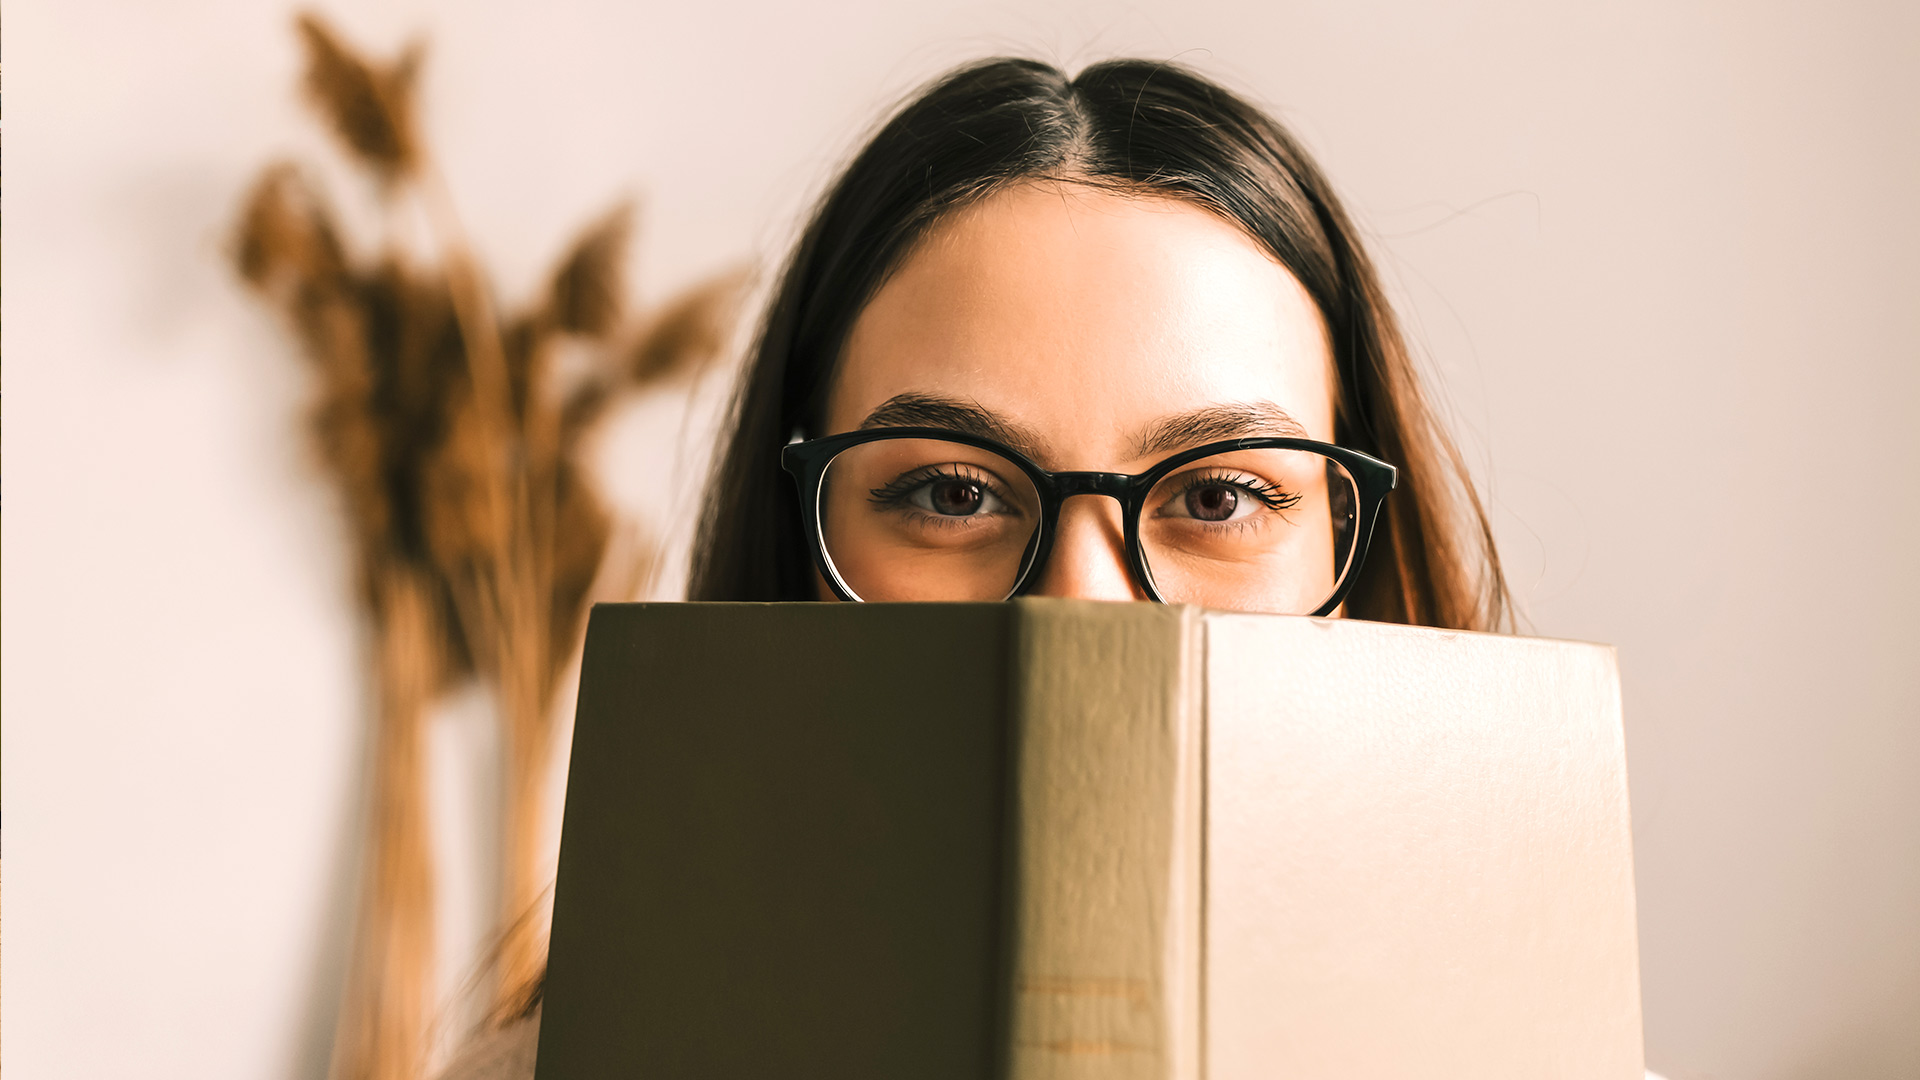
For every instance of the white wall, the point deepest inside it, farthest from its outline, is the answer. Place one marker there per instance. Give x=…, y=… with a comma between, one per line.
x=1663, y=256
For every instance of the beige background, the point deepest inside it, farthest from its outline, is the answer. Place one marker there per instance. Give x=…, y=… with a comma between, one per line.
x=1661, y=254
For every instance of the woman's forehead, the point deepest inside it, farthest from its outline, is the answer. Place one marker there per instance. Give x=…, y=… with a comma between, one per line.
x=1087, y=315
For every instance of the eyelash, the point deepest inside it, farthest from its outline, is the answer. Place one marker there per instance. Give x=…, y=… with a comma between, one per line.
x=1273, y=495
x=896, y=493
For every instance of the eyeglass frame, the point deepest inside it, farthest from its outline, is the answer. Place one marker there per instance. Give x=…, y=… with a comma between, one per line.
x=807, y=461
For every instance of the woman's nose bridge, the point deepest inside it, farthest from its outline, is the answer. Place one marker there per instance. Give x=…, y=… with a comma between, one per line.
x=1088, y=557
x=1109, y=531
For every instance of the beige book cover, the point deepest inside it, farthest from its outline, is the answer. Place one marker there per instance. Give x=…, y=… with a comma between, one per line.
x=1068, y=839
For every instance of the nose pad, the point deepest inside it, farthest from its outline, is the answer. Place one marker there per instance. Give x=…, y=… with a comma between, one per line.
x=1089, y=556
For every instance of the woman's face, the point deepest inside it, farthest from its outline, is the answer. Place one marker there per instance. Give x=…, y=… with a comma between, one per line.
x=1099, y=332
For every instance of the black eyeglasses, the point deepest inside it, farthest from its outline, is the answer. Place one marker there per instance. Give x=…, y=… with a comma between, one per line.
x=1257, y=524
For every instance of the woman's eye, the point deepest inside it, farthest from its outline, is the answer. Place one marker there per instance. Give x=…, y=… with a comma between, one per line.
x=1212, y=502
x=956, y=497
x=1215, y=499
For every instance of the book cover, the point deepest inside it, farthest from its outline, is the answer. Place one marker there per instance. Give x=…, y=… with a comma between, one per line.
x=1059, y=839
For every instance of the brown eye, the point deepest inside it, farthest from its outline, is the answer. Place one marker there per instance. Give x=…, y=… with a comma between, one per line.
x=955, y=498
x=1212, y=502
x=948, y=492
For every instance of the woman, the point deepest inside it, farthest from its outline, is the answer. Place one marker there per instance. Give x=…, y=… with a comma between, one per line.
x=1088, y=262
x=1109, y=336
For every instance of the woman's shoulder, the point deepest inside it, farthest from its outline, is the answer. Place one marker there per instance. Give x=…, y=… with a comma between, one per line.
x=500, y=1053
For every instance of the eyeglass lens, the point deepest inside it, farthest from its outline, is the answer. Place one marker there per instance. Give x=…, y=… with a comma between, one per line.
x=1254, y=530
x=924, y=519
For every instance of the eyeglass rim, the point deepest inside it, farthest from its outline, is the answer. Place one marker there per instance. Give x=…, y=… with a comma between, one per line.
x=806, y=460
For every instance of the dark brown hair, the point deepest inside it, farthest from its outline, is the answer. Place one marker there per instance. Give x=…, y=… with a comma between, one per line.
x=1128, y=125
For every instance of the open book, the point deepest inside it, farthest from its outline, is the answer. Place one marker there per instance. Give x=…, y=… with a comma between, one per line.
x=1056, y=838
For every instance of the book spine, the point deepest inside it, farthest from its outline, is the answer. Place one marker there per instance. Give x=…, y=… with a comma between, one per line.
x=1106, y=902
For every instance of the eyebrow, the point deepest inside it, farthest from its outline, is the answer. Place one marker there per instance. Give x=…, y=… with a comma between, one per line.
x=1215, y=423
x=1210, y=423
x=953, y=414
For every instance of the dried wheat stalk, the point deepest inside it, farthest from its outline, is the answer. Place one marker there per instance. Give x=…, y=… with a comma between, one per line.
x=478, y=531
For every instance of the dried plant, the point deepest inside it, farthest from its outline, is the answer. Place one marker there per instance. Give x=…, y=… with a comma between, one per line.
x=457, y=446
x=369, y=105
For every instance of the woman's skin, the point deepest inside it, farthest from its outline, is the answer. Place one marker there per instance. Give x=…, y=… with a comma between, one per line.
x=1093, y=331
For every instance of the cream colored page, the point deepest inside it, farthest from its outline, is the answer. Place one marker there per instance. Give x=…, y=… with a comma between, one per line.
x=1418, y=856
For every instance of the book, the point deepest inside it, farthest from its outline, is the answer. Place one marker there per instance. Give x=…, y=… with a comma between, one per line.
x=1060, y=839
